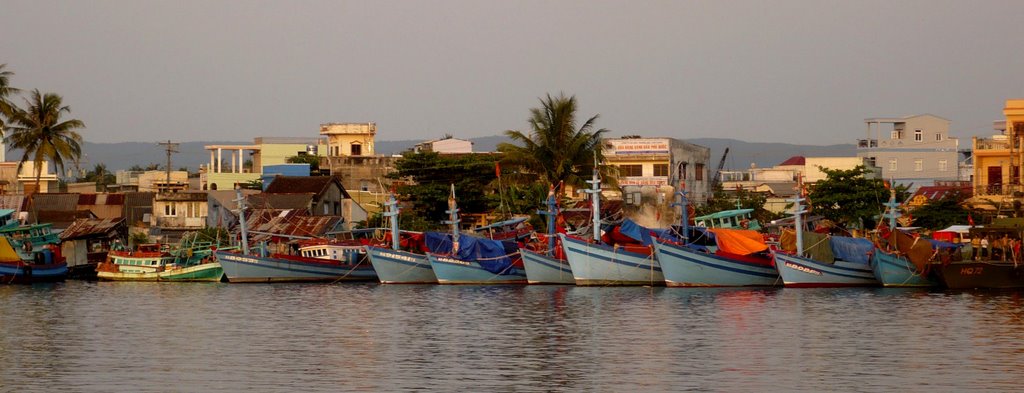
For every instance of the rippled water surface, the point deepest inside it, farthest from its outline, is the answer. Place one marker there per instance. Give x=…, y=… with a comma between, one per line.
x=81, y=336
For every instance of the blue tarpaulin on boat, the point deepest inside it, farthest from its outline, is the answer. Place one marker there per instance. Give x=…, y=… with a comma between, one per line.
x=941, y=245
x=851, y=249
x=492, y=255
x=636, y=232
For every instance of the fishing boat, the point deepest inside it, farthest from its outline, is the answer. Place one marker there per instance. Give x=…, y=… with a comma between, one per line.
x=999, y=266
x=830, y=261
x=156, y=262
x=717, y=256
x=394, y=265
x=905, y=261
x=458, y=259
x=318, y=260
x=44, y=265
x=626, y=257
x=545, y=263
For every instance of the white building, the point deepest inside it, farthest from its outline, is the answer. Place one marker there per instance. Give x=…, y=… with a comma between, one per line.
x=444, y=146
x=913, y=149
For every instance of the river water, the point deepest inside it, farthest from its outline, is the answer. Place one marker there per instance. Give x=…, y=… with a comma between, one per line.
x=130, y=337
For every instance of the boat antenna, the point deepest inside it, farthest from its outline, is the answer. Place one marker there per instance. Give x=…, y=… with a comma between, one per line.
x=892, y=212
x=392, y=214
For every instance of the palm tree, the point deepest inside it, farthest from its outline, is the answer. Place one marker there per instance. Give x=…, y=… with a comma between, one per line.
x=39, y=131
x=6, y=107
x=555, y=150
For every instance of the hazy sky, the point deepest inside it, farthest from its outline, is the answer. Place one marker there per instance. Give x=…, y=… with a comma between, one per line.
x=786, y=71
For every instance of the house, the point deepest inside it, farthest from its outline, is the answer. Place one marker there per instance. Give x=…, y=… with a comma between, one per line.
x=102, y=205
x=655, y=167
x=352, y=158
x=997, y=160
x=150, y=181
x=222, y=208
x=925, y=194
x=138, y=208
x=86, y=241
x=328, y=196
x=178, y=212
x=918, y=149
x=447, y=145
x=239, y=164
x=59, y=209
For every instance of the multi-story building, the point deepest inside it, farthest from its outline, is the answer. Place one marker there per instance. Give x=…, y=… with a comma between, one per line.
x=656, y=167
x=997, y=160
x=913, y=149
x=233, y=164
x=351, y=157
x=447, y=145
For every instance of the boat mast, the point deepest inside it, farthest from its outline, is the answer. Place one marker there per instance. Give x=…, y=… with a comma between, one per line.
x=683, y=203
x=241, y=219
x=550, y=213
x=392, y=215
x=595, y=201
x=798, y=223
x=892, y=213
x=453, y=220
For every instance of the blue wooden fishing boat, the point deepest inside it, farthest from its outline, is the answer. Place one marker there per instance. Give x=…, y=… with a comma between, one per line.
x=716, y=256
x=897, y=270
x=847, y=263
x=596, y=263
x=458, y=259
x=549, y=266
x=393, y=265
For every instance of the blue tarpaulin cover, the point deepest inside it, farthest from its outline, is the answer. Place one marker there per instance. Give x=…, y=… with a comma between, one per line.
x=852, y=249
x=636, y=232
x=940, y=245
x=492, y=255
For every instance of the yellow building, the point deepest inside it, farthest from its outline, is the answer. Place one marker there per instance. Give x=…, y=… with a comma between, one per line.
x=349, y=139
x=231, y=164
x=997, y=159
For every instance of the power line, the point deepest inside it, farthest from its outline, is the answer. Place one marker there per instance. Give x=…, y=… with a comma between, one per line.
x=171, y=149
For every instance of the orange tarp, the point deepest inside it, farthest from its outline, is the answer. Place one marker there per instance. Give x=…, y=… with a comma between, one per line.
x=739, y=241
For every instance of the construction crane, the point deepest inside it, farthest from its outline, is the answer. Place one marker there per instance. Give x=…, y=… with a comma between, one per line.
x=716, y=180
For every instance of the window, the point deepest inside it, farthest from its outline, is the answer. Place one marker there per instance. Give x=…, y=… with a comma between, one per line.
x=892, y=164
x=170, y=210
x=364, y=185
x=660, y=169
x=698, y=172
x=918, y=165
x=918, y=136
x=938, y=137
x=682, y=171
x=943, y=166
x=357, y=150
x=631, y=170
x=633, y=198
x=896, y=134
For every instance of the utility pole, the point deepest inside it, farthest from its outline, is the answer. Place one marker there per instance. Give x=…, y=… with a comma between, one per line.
x=171, y=149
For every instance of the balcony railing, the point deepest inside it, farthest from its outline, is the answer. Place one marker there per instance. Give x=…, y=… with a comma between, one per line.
x=867, y=143
x=999, y=190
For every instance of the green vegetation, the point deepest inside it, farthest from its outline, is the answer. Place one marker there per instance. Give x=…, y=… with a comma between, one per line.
x=554, y=150
x=312, y=160
x=100, y=175
x=849, y=199
x=433, y=174
x=941, y=213
x=40, y=132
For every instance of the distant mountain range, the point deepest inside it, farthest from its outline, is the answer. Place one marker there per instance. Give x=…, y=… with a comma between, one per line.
x=124, y=155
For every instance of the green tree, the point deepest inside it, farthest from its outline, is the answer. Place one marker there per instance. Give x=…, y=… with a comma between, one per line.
x=40, y=132
x=941, y=213
x=100, y=175
x=554, y=150
x=7, y=108
x=433, y=174
x=848, y=198
x=312, y=160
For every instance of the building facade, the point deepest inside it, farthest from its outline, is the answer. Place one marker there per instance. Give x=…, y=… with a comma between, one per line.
x=913, y=149
x=233, y=164
x=656, y=167
x=997, y=159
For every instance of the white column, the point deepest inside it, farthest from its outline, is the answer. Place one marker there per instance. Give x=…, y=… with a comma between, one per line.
x=209, y=169
x=233, y=159
x=220, y=160
x=241, y=161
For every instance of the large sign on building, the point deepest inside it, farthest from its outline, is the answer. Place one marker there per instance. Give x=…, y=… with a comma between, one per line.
x=643, y=181
x=637, y=146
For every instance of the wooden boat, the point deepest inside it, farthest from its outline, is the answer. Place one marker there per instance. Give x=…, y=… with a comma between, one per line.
x=711, y=256
x=459, y=259
x=544, y=259
x=830, y=261
x=155, y=262
x=596, y=262
x=904, y=261
x=44, y=265
x=394, y=265
x=998, y=267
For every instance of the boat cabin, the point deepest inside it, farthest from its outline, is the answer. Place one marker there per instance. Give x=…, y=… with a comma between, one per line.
x=735, y=219
x=335, y=252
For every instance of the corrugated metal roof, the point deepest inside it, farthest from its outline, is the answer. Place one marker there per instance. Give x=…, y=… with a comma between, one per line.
x=303, y=184
x=100, y=199
x=88, y=227
x=280, y=201
x=264, y=225
x=12, y=201
x=55, y=201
